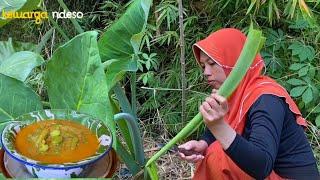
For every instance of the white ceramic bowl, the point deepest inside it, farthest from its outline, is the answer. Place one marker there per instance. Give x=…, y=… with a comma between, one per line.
x=66, y=170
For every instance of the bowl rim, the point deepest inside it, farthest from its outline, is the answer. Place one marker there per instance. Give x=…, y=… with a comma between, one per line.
x=53, y=166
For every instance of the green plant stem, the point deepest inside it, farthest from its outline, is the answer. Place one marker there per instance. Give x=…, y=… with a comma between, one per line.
x=293, y=74
x=135, y=135
x=55, y=24
x=171, y=89
x=132, y=125
x=74, y=22
x=312, y=110
x=132, y=165
x=124, y=102
x=133, y=79
x=187, y=130
x=183, y=63
x=44, y=40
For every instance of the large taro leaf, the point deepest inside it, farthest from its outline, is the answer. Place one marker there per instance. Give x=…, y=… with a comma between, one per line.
x=16, y=98
x=20, y=64
x=122, y=39
x=120, y=43
x=76, y=80
x=16, y=6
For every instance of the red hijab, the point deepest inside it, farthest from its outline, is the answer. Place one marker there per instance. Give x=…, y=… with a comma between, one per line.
x=224, y=47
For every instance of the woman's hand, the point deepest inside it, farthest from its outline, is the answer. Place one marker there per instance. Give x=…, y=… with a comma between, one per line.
x=214, y=108
x=192, y=151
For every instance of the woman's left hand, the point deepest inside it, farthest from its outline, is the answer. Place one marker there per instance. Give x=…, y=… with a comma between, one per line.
x=214, y=108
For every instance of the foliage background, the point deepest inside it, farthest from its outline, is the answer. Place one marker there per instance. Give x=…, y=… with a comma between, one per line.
x=290, y=52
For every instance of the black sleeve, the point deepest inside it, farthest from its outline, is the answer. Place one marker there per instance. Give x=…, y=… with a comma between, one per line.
x=257, y=153
x=208, y=136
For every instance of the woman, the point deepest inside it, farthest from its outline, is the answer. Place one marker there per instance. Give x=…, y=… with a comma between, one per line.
x=256, y=133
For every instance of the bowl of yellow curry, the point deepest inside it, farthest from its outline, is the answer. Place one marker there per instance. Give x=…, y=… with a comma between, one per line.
x=56, y=143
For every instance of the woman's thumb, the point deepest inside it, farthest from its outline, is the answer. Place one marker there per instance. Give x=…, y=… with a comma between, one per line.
x=187, y=146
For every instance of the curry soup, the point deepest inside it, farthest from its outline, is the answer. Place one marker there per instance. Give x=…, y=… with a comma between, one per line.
x=56, y=141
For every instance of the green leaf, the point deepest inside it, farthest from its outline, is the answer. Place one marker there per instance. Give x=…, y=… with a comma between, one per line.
x=302, y=51
x=140, y=67
x=296, y=82
x=119, y=40
x=273, y=63
x=145, y=56
x=312, y=71
x=16, y=98
x=318, y=121
x=148, y=64
x=20, y=64
x=297, y=91
x=296, y=66
x=303, y=71
x=307, y=96
x=116, y=68
x=299, y=24
x=307, y=79
x=276, y=39
x=75, y=78
x=145, y=80
x=17, y=6
x=153, y=55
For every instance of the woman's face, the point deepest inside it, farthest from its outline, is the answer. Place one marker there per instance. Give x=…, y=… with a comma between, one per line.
x=212, y=71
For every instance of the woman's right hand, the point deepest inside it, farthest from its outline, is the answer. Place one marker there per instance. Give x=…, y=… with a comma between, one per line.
x=192, y=151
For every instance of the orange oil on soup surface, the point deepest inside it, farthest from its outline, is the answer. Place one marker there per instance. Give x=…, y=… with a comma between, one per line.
x=56, y=141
